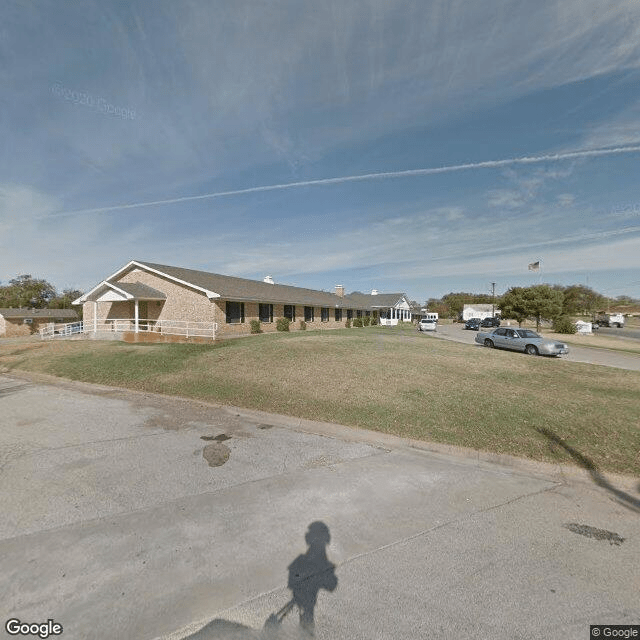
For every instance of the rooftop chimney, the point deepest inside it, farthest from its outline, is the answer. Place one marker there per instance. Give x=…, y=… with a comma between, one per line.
x=268, y=280
x=340, y=291
x=374, y=292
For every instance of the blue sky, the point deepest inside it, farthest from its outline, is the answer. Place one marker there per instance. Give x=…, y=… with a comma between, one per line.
x=227, y=136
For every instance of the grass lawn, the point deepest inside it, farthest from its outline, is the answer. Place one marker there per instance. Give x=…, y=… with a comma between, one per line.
x=387, y=379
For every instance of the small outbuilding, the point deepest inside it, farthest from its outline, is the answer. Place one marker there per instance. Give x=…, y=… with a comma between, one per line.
x=15, y=323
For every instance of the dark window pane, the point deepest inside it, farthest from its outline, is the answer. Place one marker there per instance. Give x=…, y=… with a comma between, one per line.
x=349, y=314
x=325, y=314
x=290, y=312
x=338, y=314
x=308, y=314
x=266, y=313
x=235, y=312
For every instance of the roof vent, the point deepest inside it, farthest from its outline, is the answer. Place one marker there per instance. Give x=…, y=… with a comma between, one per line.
x=268, y=280
x=374, y=292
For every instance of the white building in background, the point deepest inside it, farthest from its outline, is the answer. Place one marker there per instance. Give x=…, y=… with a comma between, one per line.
x=481, y=311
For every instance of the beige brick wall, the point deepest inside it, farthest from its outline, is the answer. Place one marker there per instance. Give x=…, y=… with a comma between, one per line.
x=251, y=313
x=182, y=303
x=15, y=327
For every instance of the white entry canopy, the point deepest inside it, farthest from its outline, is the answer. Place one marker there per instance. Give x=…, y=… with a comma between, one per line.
x=109, y=292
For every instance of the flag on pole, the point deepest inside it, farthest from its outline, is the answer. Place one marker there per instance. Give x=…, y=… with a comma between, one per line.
x=534, y=266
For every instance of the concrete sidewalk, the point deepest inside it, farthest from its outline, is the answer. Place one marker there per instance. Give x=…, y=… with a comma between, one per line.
x=116, y=526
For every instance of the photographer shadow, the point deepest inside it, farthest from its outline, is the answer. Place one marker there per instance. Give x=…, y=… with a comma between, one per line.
x=309, y=573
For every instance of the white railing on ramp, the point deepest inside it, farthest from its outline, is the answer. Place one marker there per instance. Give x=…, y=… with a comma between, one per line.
x=185, y=328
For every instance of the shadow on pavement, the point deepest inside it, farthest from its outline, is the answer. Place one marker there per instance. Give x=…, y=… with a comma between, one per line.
x=308, y=574
x=15, y=388
x=623, y=498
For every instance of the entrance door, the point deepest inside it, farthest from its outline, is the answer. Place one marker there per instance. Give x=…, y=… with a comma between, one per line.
x=143, y=315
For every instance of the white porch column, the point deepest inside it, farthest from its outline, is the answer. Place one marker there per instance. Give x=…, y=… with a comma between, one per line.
x=136, y=315
x=95, y=316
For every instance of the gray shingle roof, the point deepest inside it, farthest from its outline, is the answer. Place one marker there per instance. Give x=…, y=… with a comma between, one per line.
x=38, y=313
x=380, y=300
x=243, y=289
x=139, y=290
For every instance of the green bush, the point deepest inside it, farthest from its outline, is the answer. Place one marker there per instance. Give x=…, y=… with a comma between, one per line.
x=255, y=326
x=366, y=321
x=347, y=324
x=302, y=325
x=564, y=324
x=282, y=324
x=357, y=322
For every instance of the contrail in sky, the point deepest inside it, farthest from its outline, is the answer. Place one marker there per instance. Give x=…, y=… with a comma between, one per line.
x=488, y=164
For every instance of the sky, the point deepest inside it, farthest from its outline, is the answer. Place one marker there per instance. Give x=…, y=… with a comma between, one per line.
x=418, y=146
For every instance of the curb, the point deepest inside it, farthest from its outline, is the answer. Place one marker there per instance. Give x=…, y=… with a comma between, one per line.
x=555, y=472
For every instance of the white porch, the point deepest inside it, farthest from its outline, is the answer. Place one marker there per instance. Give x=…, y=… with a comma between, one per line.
x=391, y=317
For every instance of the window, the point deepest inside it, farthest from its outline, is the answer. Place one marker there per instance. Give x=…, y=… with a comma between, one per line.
x=308, y=314
x=367, y=313
x=265, y=312
x=290, y=312
x=27, y=321
x=349, y=314
x=235, y=312
x=324, y=314
x=358, y=314
x=338, y=315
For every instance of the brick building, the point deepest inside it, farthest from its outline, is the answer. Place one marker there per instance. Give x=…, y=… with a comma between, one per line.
x=145, y=297
x=23, y=322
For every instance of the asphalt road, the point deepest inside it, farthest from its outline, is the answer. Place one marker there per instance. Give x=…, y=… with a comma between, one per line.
x=631, y=333
x=605, y=357
x=137, y=517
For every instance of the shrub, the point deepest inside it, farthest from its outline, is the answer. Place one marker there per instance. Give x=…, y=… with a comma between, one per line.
x=282, y=324
x=302, y=325
x=366, y=321
x=357, y=322
x=255, y=326
x=564, y=324
x=347, y=324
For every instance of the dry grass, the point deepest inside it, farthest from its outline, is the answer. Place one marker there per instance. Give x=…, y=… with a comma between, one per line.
x=391, y=380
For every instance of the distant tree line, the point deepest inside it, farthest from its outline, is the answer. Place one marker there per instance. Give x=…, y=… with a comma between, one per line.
x=36, y=293
x=539, y=301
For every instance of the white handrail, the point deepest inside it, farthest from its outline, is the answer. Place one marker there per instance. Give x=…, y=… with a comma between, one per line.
x=186, y=328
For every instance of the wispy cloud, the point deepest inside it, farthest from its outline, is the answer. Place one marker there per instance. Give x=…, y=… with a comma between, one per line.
x=383, y=175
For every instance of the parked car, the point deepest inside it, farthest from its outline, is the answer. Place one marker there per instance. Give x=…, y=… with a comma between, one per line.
x=473, y=324
x=522, y=340
x=427, y=324
x=490, y=322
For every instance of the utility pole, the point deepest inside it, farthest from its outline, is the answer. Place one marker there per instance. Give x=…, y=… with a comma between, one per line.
x=493, y=299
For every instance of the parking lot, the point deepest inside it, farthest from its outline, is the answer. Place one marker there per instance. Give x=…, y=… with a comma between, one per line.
x=136, y=516
x=604, y=357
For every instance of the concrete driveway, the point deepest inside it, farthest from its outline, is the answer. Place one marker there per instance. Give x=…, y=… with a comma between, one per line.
x=134, y=516
x=605, y=357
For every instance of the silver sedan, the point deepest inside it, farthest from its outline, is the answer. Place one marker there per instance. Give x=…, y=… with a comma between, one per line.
x=522, y=340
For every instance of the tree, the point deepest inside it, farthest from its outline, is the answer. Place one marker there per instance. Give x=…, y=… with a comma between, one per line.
x=63, y=300
x=578, y=299
x=25, y=291
x=541, y=302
